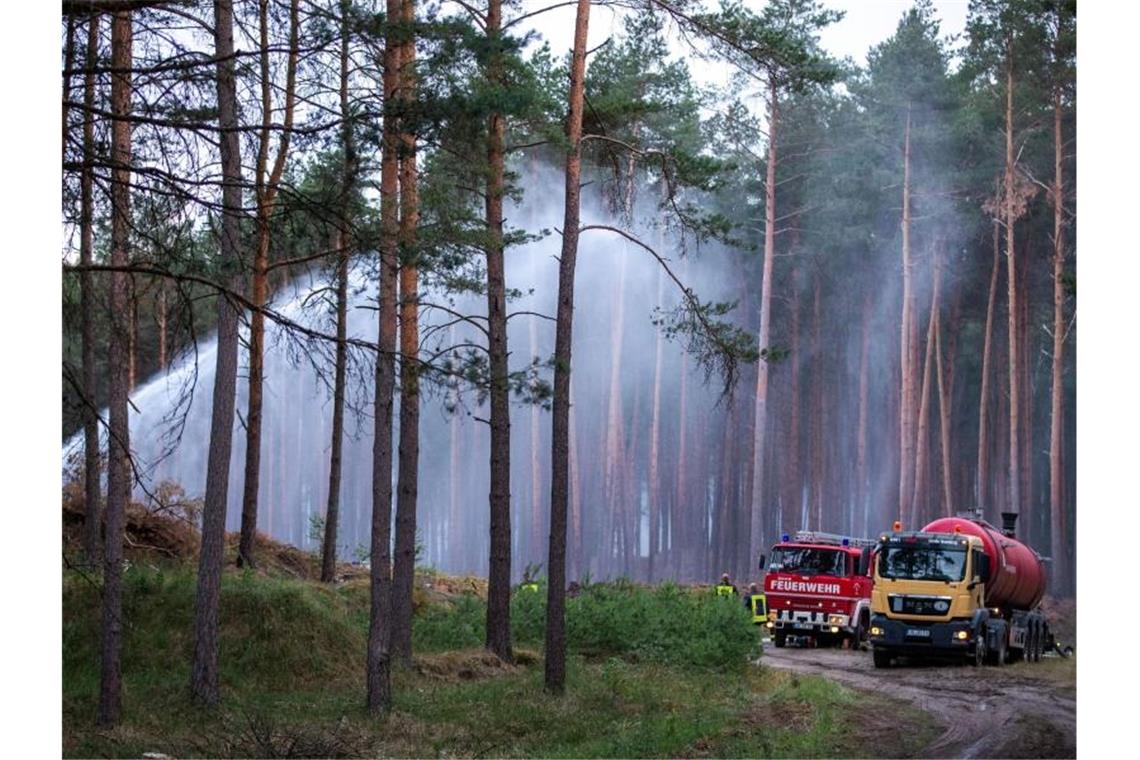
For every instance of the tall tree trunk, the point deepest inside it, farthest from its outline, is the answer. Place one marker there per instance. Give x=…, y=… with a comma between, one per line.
x=92, y=533
x=119, y=445
x=266, y=190
x=862, y=489
x=499, y=578
x=204, y=670
x=555, y=665
x=615, y=434
x=756, y=530
x=918, y=510
x=654, y=476
x=1058, y=545
x=160, y=320
x=906, y=396
x=793, y=495
x=404, y=571
x=982, y=489
x=1014, y=504
x=380, y=620
x=943, y=413
x=818, y=396
x=344, y=245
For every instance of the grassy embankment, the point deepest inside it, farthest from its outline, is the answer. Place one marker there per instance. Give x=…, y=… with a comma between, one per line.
x=653, y=672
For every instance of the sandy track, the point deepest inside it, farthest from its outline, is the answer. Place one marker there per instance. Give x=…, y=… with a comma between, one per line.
x=984, y=712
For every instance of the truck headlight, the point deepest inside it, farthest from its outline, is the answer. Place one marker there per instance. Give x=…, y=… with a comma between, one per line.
x=876, y=630
x=962, y=635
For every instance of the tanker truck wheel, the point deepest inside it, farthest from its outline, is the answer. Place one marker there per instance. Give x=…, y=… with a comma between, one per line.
x=979, y=657
x=882, y=658
x=997, y=656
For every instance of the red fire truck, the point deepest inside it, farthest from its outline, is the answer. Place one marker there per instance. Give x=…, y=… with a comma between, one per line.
x=818, y=589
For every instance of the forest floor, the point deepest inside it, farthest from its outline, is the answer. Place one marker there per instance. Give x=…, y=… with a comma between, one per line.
x=1017, y=711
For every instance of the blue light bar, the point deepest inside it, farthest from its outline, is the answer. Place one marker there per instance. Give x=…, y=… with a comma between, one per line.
x=847, y=542
x=785, y=538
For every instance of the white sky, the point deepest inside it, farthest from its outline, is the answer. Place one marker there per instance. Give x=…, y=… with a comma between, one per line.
x=865, y=23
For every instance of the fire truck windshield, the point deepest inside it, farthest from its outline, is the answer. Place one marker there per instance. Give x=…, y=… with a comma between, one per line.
x=809, y=561
x=923, y=563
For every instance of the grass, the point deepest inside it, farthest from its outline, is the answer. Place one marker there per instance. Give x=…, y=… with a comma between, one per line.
x=652, y=672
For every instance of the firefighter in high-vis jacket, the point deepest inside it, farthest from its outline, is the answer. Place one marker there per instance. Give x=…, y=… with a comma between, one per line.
x=725, y=587
x=757, y=604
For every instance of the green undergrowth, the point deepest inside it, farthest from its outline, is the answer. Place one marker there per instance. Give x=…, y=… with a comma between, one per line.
x=652, y=672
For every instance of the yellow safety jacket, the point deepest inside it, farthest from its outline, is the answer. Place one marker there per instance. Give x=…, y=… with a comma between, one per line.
x=759, y=603
x=531, y=586
x=723, y=590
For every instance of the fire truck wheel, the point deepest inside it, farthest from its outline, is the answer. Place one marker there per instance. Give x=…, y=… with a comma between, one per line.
x=882, y=658
x=859, y=639
x=780, y=638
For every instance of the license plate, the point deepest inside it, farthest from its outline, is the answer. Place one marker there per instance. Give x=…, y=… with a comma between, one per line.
x=803, y=626
x=923, y=633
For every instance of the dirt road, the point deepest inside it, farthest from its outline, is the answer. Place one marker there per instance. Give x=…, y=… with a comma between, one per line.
x=1023, y=710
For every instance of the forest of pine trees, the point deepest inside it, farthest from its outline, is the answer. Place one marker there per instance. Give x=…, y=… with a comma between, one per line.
x=397, y=281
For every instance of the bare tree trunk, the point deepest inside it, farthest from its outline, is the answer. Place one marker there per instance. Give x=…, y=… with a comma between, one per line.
x=862, y=490
x=793, y=495
x=1011, y=283
x=906, y=397
x=499, y=580
x=922, y=442
x=160, y=320
x=204, y=670
x=943, y=421
x=1057, y=522
x=92, y=533
x=555, y=665
x=119, y=445
x=380, y=620
x=615, y=433
x=654, y=476
x=344, y=244
x=403, y=578
x=756, y=531
x=266, y=190
x=817, y=401
x=981, y=488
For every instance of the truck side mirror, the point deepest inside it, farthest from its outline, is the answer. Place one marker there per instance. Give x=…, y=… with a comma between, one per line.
x=865, y=559
x=761, y=563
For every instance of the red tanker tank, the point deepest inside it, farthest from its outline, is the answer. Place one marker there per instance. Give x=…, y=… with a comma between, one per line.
x=1017, y=574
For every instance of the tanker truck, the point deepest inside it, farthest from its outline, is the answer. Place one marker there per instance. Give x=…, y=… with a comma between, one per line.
x=959, y=588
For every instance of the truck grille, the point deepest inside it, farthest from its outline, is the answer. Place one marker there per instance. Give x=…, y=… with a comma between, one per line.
x=920, y=605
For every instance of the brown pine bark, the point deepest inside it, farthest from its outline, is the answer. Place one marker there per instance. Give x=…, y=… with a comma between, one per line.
x=862, y=488
x=266, y=187
x=1057, y=521
x=906, y=350
x=943, y=413
x=344, y=247
x=654, y=476
x=982, y=490
x=119, y=446
x=555, y=664
x=92, y=529
x=614, y=427
x=407, y=490
x=919, y=509
x=818, y=398
x=793, y=496
x=1014, y=504
x=499, y=578
x=379, y=694
x=204, y=669
x=756, y=529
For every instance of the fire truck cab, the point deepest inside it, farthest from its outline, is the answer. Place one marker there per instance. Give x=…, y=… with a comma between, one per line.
x=818, y=588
